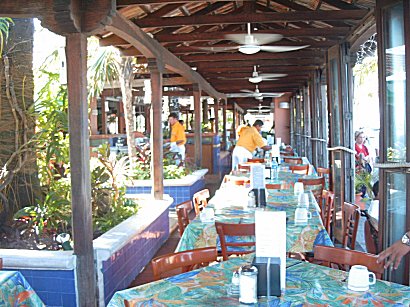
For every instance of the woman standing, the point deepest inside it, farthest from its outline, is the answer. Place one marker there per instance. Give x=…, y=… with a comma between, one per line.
x=362, y=153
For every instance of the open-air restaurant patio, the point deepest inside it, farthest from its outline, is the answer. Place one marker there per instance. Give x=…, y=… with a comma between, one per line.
x=205, y=153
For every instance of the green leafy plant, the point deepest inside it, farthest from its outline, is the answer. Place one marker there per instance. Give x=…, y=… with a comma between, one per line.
x=5, y=23
x=366, y=179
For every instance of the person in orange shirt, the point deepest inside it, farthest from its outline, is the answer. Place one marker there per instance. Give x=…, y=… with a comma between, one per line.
x=249, y=140
x=178, y=138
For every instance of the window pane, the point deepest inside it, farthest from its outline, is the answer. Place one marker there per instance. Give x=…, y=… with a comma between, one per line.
x=395, y=84
x=335, y=102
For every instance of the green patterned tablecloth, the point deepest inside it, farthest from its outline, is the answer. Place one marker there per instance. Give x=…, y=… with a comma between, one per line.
x=300, y=238
x=306, y=285
x=15, y=291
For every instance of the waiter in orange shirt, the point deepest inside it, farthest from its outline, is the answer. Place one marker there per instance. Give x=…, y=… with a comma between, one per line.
x=178, y=138
x=249, y=139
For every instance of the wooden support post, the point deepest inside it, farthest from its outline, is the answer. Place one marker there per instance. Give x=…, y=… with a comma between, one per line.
x=103, y=116
x=233, y=121
x=76, y=54
x=198, y=126
x=121, y=117
x=216, y=112
x=93, y=116
x=156, y=70
x=224, y=123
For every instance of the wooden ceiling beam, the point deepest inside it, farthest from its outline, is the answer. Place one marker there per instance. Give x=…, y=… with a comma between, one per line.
x=220, y=35
x=237, y=56
x=121, y=3
x=254, y=17
x=291, y=62
x=125, y=29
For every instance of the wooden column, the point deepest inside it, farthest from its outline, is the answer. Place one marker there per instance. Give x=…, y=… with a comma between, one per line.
x=216, y=112
x=147, y=114
x=198, y=126
x=76, y=54
x=93, y=116
x=233, y=136
x=121, y=117
x=156, y=70
x=224, y=123
x=103, y=116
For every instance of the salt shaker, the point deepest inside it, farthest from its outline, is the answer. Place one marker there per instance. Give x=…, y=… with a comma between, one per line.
x=248, y=279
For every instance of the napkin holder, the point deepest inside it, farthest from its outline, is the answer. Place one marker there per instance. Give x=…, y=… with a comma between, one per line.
x=260, y=197
x=268, y=276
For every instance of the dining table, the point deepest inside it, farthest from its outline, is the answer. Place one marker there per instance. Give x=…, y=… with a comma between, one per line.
x=16, y=291
x=306, y=285
x=230, y=206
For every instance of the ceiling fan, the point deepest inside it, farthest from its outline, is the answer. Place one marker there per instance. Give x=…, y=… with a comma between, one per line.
x=252, y=43
x=255, y=94
x=257, y=77
x=261, y=109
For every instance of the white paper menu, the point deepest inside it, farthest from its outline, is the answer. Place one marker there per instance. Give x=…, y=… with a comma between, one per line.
x=270, y=232
x=257, y=176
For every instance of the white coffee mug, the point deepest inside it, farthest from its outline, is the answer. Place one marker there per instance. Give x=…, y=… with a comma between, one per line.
x=298, y=188
x=207, y=214
x=359, y=278
x=302, y=215
x=303, y=200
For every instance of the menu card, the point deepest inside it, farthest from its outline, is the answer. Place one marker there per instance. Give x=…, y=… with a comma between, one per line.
x=257, y=176
x=270, y=232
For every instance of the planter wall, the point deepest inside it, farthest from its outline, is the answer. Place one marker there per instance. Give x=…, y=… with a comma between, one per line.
x=120, y=254
x=179, y=189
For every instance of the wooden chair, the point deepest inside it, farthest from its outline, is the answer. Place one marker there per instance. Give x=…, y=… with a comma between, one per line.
x=316, y=185
x=200, y=200
x=273, y=186
x=287, y=154
x=345, y=258
x=300, y=169
x=351, y=218
x=127, y=303
x=177, y=263
x=293, y=160
x=235, y=230
x=328, y=209
x=244, y=167
x=1, y=263
x=325, y=172
x=183, y=210
x=235, y=180
x=322, y=171
x=256, y=160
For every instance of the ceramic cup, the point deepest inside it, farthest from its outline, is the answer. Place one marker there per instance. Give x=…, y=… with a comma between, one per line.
x=207, y=214
x=303, y=200
x=360, y=278
x=298, y=188
x=302, y=215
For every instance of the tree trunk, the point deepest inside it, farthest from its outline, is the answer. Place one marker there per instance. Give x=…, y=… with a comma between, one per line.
x=16, y=126
x=126, y=91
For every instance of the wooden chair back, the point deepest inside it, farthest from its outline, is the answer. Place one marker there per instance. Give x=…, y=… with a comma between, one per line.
x=351, y=218
x=235, y=180
x=273, y=186
x=183, y=210
x=371, y=242
x=1, y=263
x=300, y=169
x=127, y=303
x=293, y=160
x=328, y=209
x=345, y=258
x=245, y=167
x=256, y=160
x=287, y=154
x=234, y=247
x=200, y=200
x=181, y=262
x=316, y=185
x=321, y=171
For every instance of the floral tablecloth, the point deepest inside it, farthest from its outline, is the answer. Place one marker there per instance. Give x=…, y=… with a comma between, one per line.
x=15, y=291
x=300, y=238
x=306, y=285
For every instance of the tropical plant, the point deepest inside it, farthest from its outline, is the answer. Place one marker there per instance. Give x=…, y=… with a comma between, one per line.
x=364, y=179
x=5, y=23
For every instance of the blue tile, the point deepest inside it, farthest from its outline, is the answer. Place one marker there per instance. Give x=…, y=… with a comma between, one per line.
x=54, y=299
x=68, y=300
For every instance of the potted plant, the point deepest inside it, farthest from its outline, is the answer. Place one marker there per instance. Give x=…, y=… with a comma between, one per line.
x=363, y=182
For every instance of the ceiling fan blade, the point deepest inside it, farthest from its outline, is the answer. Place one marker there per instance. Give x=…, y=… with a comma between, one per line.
x=248, y=91
x=267, y=76
x=256, y=39
x=272, y=94
x=281, y=48
x=215, y=49
x=239, y=95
